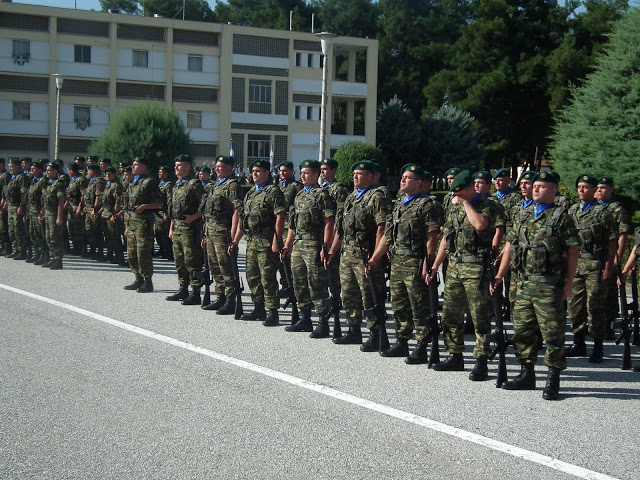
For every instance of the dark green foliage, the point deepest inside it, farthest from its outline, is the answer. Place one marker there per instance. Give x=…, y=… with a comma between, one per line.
x=125, y=6
x=197, y=10
x=398, y=135
x=353, y=18
x=146, y=130
x=352, y=152
x=265, y=13
x=599, y=132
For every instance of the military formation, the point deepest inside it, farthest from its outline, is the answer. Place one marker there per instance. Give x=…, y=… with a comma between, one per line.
x=524, y=244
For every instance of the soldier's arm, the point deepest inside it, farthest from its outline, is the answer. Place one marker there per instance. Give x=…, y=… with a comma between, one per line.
x=432, y=243
x=234, y=222
x=279, y=229
x=504, y=264
x=61, y=202
x=572, y=265
x=479, y=221
x=623, y=241
x=329, y=224
x=442, y=254
x=379, y=252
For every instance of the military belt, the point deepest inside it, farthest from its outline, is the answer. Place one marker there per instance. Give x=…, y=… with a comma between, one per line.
x=550, y=279
x=588, y=256
x=308, y=236
x=407, y=252
x=467, y=258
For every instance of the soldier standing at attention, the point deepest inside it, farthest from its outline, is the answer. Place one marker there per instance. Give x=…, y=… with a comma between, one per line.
x=204, y=175
x=604, y=195
x=221, y=210
x=468, y=232
x=262, y=219
x=53, y=215
x=186, y=232
x=5, y=243
x=15, y=198
x=412, y=233
x=90, y=205
x=289, y=188
x=162, y=221
x=482, y=184
x=311, y=221
x=599, y=237
x=111, y=204
x=361, y=228
x=34, y=206
x=77, y=185
x=143, y=198
x=542, y=249
x=450, y=175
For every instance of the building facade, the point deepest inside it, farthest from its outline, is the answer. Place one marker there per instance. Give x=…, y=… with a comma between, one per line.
x=257, y=88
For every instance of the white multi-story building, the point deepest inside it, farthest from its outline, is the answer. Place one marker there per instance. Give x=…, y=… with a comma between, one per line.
x=259, y=87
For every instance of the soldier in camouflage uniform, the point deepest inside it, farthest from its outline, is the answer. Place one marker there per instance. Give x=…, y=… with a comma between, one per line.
x=53, y=215
x=77, y=185
x=90, y=204
x=161, y=226
x=186, y=232
x=412, y=233
x=542, y=249
x=311, y=221
x=604, y=195
x=34, y=206
x=204, y=175
x=289, y=188
x=598, y=235
x=450, y=175
x=468, y=232
x=5, y=243
x=361, y=227
x=221, y=210
x=15, y=197
x=111, y=205
x=262, y=219
x=143, y=198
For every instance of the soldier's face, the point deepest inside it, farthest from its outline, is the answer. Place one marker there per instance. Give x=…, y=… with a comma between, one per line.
x=162, y=175
x=139, y=168
x=111, y=176
x=204, y=176
x=103, y=166
x=25, y=166
x=328, y=174
x=51, y=173
x=91, y=173
x=410, y=183
x=481, y=186
x=450, y=179
x=223, y=170
x=182, y=169
x=286, y=173
x=35, y=171
x=586, y=192
x=309, y=176
x=502, y=183
x=259, y=175
x=362, y=178
x=14, y=168
x=604, y=192
x=544, y=192
x=526, y=188
x=128, y=176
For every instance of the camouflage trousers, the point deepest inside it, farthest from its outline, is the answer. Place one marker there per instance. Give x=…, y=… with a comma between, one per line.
x=17, y=230
x=356, y=293
x=55, y=236
x=587, y=303
x=309, y=276
x=36, y=234
x=262, y=265
x=466, y=284
x=409, y=297
x=140, y=244
x=539, y=306
x=161, y=230
x=93, y=229
x=612, y=302
x=4, y=231
x=112, y=235
x=281, y=267
x=75, y=224
x=187, y=254
x=220, y=265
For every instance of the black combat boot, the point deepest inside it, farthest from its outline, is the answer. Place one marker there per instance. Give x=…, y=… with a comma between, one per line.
x=47, y=262
x=272, y=319
x=146, y=287
x=84, y=253
x=552, y=388
x=480, y=371
x=525, y=381
x=579, y=348
x=39, y=260
x=419, y=355
x=303, y=324
x=29, y=254
x=398, y=349
x=455, y=363
x=193, y=298
x=181, y=294
x=137, y=283
x=222, y=298
x=22, y=255
x=229, y=307
x=8, y=251
x=258, y=313
x=598, y=352
x=322, y=329
x=352, y=337
x=373, y=342
x=56, y=264
x=32, y=258
x=92, y=253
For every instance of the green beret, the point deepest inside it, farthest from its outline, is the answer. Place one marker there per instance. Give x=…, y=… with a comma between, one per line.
x=141, y=160
x=310, y=164
x=528, y=175
x=73, y=166
x=462, y=181
x=26, y=159
x=287, y=164
x=93, y=158
x=482, y=175
x=37, y=164
x=183, y=158
x=110, y=170
x=128, y=168
x=503, y=172
x=165, y=168
x=586, y=178
x=364, y=165
x=262, y=164
x=93, y=166
x=330, y=162
x=550, y=177
x=377, y=167
x=415, y=169
x=14, y=160
x=79, y=158
x=605, y=181
x=106, y=160
x=56, y=165
x=1, y=160
x=205, y=169
x=226, y=159
x=452, y=172
x=125, y=163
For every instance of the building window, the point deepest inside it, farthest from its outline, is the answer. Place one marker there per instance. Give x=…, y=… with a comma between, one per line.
x=194, y=119
x=309, y=60
x=260, y=91
x=82, y=54
x=82, y=116
x=21, y=111
x=309, y=113
x=140, y=58
x=194, y=63
x=258, y=147
x=297, y=112
x=21, y=51
x=298, y=59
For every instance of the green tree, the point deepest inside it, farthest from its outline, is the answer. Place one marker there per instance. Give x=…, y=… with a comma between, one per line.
x=352, y=152
x=125, y=6
x=599, y=132
x=398, y=134
x=450, y=140
x=147, y=130
x=352, y=18
x=197, y=10
x=265, y=13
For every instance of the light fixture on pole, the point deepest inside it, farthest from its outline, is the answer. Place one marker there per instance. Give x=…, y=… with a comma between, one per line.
x=325, y=39
x=59, y=80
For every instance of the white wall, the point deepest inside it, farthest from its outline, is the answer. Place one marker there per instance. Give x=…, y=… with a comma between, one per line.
x=155, y=72
x=68, y=128
x=37, y=125
x=256, y=61
x=209, y=131
x=38, y=63
x=210, y=75
x=98, y=68
x=264, y=118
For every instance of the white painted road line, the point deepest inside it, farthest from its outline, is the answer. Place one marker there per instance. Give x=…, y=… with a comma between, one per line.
x=490, y=443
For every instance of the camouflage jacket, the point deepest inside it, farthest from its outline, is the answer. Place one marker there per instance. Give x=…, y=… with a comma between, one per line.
x=510, y=200
x=220, y=203
x=359, y=221
x=4, y=180
x=595, y=227
x=143, y=191
x=16, y=188
x=34, y=195
x=111, y=196
x=94, y=191
x=166, y=190
x=339, y=194
x=259, y=211
x=619, y=215
x=185, y=200
x=465, y=243
x=75, y=190
x=308, y=213
x=55, y=189
x=289, y=192
x=407, y=227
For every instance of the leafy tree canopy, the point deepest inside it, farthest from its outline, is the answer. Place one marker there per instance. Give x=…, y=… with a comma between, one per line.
x=352, y=152
x=125, y=6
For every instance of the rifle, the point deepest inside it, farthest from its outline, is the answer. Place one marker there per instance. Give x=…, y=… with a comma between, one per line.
x=634, y=308
x=236, y=284
x=291, y=296
x=378, y=311
x=625, y=325
x=206, y=280
x=434, y=320
x=335, y=300
x=499, y=336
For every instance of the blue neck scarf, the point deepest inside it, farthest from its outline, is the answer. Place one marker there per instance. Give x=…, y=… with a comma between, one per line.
x=325, y=184
x=162, y=182
x=361, y=191
x=136, y=178
x=603, y=203
x=35, y=179
x=181, y=181
x=526, y=203
x=204, y=184
x=109, y=182
x=261, y=186
x=475, y=200
x=221, y=181
x=308, y=188
x=94, y=178
x=15, y=175
x=75, y=176
x=409, y=198
x=585, y=206
x=285, y=183
x=538, y=208
x=502, y=193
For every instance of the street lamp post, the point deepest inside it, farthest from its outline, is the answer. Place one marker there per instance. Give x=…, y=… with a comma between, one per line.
x=59, y=79
x=325, y=39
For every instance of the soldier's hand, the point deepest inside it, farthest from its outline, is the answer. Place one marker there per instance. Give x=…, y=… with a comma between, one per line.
x=59, y=222
x=327, y=260
x=607, y=272
x=274, y=247
x=232, y=246
x=494, y=286
x=566, y=291
x=457, y=201
x=284, y=252
x=373, y=263
x=430, y=277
